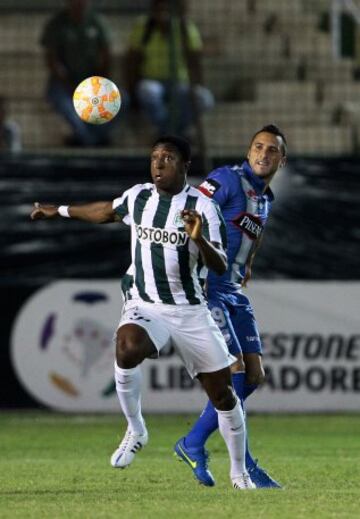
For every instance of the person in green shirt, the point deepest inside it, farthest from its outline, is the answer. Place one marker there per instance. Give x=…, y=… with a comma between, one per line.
x=163, y=68
x=77, y=45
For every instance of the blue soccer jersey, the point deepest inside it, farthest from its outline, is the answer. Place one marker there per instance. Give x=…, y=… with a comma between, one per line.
x=245, y=208
x=239, y=193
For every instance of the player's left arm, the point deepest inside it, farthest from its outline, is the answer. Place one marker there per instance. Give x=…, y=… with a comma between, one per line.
x=212, y=253
x=250, y=260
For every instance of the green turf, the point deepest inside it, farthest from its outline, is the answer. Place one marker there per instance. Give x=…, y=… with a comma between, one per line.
x=57, y=466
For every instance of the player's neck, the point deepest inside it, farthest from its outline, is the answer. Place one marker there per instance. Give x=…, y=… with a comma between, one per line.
x=168, y=193
x=267, y=181
x=165, y=194
x=267, y=184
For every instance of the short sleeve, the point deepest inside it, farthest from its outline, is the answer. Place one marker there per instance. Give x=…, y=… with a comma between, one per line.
x=121, y=205
x=213, y=224
x=217, y=186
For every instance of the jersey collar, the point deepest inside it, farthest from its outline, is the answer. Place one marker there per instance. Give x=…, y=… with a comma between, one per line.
x=257, y=183
x=185, y=189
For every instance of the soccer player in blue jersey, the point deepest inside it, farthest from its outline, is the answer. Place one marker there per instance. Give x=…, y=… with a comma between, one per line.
x=245, y=199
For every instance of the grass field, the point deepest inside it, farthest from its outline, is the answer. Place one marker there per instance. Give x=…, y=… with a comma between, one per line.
x=57, y=466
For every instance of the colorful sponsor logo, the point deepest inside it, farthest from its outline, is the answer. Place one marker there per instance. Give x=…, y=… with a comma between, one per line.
x=250, y=224
x=62, y=345
x=251, y=193
x=163, y=236
x=209, y=187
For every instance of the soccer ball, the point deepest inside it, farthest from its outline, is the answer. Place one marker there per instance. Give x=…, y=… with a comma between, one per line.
x=96, y=100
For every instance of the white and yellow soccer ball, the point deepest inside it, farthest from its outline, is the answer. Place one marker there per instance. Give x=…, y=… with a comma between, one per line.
x=96, y=100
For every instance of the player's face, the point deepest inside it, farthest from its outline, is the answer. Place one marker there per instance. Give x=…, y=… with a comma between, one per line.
x=265, y=155
x=168, y=169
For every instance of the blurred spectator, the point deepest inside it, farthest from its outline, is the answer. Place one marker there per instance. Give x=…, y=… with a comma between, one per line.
x=163, y=68
x=348, y=32
x=77, y=45
x=10, y=136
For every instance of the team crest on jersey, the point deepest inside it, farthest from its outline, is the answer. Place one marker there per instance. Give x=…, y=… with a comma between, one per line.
x=178, y=221
x=209, y=187
x=251, y=193
x=250, y=224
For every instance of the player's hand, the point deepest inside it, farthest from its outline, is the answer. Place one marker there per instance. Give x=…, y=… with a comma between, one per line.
x=193, y=223
x=246, y=277
x=43, y=211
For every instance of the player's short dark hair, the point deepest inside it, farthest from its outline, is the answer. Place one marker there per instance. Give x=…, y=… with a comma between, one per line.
x=181, y=144
x=275, y=130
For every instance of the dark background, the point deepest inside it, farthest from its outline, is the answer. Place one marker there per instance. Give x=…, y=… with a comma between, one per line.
x=266, y=61
x=312, y=233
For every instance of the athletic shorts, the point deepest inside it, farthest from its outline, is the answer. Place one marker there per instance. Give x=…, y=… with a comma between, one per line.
x=190, y=329
x=235, y=317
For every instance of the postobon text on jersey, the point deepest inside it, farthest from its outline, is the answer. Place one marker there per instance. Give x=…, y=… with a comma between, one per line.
x=163, y=236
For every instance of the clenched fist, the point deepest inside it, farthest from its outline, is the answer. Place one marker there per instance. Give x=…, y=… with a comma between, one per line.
x=43, y=211
x=193, y=223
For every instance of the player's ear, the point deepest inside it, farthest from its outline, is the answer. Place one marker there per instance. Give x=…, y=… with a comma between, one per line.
x=283, y=162
x=187, y=166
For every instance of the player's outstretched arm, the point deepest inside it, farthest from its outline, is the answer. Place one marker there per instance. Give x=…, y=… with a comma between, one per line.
x=212, y=253
x=97, y=212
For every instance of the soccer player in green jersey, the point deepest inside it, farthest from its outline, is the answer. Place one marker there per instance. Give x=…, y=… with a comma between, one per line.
x=174, y=230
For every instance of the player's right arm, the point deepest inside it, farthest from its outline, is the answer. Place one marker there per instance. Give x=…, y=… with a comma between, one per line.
x=96, y=212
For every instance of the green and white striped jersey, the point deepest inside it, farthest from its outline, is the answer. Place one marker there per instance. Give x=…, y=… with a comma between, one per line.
x=165, y=261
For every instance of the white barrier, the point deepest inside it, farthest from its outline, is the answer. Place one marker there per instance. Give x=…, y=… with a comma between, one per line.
x=63, y=352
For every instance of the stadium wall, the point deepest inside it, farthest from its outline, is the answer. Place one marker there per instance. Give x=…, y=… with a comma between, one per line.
x=305, y=287
x=61, y=349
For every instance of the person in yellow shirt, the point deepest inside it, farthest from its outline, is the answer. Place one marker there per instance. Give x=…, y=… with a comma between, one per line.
x=163, y=68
